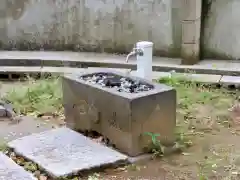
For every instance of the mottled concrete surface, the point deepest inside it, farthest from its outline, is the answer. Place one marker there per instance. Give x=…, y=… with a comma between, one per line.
x=64, y=152
x=2, y=111
x=114, y=26
x=9, y=170
x=222, y=32
x=127, y=115
x=100, y=25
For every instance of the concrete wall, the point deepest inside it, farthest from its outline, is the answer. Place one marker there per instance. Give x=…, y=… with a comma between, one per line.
x=114, y=26
x=222, y=30
x=91, y=25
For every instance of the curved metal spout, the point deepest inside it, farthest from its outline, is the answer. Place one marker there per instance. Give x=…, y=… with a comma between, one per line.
x=136, y=51
x=133, y=53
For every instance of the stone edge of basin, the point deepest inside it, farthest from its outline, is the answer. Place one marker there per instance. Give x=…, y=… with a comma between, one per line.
x=158, y=87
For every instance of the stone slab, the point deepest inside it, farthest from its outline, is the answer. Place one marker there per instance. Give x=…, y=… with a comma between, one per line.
x=203, y=78
x=2, y=112
x=114, y=61
x=230, y=80
x=63, y=152
x=9, y=170
x=39, y=69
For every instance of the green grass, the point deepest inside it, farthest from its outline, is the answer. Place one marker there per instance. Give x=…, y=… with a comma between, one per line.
x=3, y=145
x=201, y=110
x=197, y=102
x=37, y=97
x=192, y=94
x=45, y=96
x=198, y=108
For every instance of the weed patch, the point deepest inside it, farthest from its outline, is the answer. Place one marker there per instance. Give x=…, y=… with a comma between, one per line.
x=37, y=97
x=3, y=145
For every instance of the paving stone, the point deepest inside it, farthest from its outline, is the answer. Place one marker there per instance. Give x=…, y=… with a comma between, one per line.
x=203, y=78
x=230, y=80
x=3, y=112
x=64, y=152
x=158, y=75
x=9, y=170
x=18, y=58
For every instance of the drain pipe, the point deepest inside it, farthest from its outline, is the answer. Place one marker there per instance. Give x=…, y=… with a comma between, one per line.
x=144, y=53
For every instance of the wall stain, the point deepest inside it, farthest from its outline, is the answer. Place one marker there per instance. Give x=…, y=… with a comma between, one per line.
x=16, y=8
x=78, y=25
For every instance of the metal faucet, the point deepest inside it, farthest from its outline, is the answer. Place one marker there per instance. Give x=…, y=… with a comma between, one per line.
x=135, y=52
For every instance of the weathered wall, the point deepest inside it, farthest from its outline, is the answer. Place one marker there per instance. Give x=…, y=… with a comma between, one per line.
x=94, y=25
x=222, y=30
x=114, y=26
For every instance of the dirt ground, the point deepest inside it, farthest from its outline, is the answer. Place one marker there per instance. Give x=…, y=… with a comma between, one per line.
x=28, y=125
x=217, y=155
x=214, y=155
x=203, y=118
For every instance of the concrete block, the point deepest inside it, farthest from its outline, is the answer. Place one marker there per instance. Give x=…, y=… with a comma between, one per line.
x=122, y=117
x=9, y=170
x=62, y=152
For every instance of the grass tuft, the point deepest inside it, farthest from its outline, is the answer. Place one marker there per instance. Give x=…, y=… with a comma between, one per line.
x=37, y=97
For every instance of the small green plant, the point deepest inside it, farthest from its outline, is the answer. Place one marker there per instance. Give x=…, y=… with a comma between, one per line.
x=133, y=167
x=209, y=165
x=159, y=150
x=3, y=145
x=156, y=147
x=176, y=80
x=201, y=174
x=95, y=176
x=37, y=97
